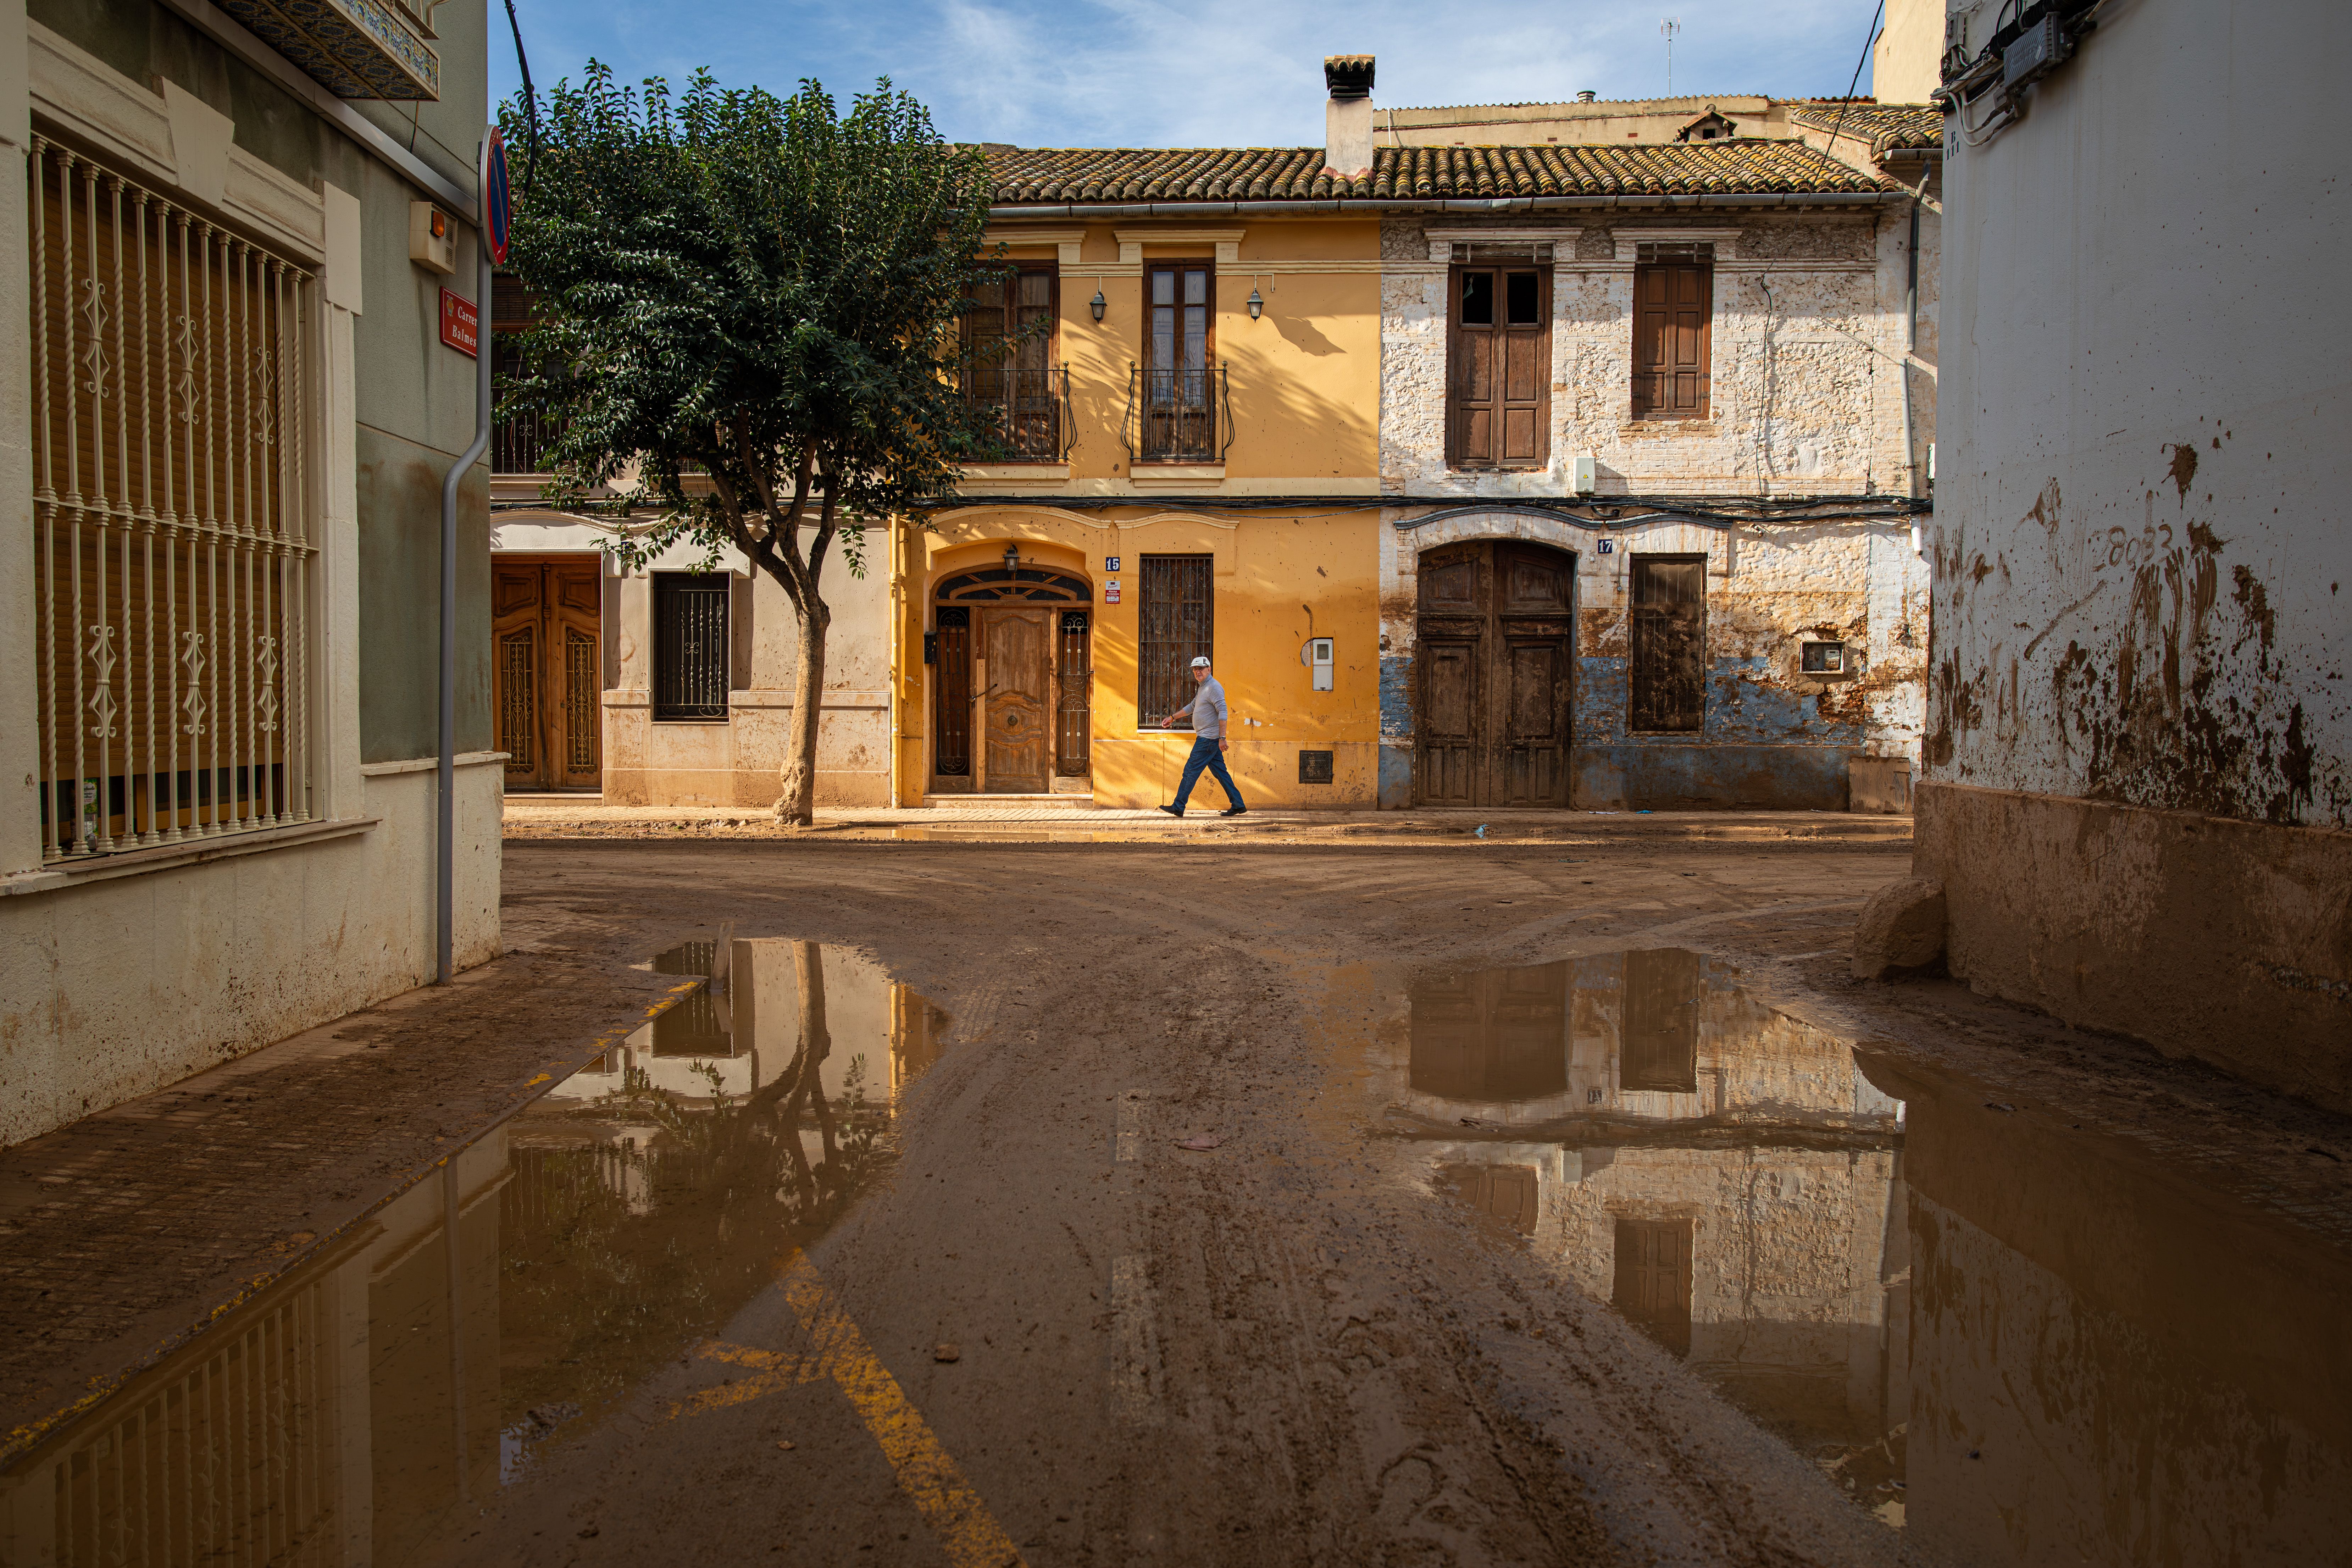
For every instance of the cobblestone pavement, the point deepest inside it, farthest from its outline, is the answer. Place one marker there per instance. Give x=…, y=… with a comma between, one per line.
x=124, y=1232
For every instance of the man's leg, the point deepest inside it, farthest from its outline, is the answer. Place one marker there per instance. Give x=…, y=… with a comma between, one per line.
x=1204, y=752
x=1216, y=760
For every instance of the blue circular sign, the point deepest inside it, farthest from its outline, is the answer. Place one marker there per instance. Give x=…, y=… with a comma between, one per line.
x=497, y=206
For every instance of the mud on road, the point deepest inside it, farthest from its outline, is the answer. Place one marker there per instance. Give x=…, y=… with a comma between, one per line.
x=1206, y=1202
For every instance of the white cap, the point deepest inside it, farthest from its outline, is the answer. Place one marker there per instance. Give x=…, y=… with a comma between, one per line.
x=1201, y=663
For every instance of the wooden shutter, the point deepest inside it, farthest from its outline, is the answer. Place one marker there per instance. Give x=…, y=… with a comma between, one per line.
x=1674, y=305
x=1666, y=691
x=1498, y=398
x=1652, y=1283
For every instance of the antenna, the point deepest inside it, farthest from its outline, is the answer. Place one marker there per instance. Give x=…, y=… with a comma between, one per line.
x=1669, y=28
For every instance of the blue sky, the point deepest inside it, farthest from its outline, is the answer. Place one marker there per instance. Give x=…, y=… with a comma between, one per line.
x=1143, y=73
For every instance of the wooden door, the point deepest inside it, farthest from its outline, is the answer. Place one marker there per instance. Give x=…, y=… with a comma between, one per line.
x=1507, y=1193
x=1500, y=1034
x=1652, y=1283
x=546, y=667
x=1494, y=644
x=1017, y=714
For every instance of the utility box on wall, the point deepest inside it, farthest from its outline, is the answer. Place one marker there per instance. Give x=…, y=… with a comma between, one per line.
x=1317, y=655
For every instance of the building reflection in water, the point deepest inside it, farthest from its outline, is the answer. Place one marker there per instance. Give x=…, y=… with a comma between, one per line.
x=357, y=1410
x=2022, y=1344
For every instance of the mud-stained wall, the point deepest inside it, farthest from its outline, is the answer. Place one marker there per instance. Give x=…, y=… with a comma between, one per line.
x=2143, y=573
x=1807, y=347
x=738, y=761
x=1773, y=735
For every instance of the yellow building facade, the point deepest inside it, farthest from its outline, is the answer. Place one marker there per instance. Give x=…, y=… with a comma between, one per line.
x=1199, y=449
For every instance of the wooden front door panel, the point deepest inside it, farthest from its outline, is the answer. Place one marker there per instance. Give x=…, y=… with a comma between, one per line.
x=574, y=677
x=547, y=671
x=1448, y=726
x=1496, y=660
x=1018, y=715
x=1500, y=1034
x=1653, y=1279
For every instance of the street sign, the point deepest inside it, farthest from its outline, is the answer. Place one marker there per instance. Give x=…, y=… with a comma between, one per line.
x=461, y=323
x=497, y=206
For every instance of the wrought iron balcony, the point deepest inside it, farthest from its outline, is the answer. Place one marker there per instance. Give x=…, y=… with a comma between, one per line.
x=1178, y=416
x=1031, y=410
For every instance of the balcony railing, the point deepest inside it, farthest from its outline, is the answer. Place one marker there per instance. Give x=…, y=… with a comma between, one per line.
x=1178, y=416
x=1029, y=408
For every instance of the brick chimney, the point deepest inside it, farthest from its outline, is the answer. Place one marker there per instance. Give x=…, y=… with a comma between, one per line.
x=1347, y=116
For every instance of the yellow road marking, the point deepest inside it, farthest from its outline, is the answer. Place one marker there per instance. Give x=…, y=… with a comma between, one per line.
x=947, y=1502
x=770, y=1371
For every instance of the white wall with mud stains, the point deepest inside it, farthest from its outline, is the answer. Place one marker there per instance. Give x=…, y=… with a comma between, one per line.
x=2144, y=572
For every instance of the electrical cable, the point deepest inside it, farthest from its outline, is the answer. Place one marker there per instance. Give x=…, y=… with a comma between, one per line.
x=1837, y=125
x=529, y=101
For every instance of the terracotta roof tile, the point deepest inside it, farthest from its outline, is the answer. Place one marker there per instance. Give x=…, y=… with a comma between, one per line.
x=1886, y=127
x=1741, y=165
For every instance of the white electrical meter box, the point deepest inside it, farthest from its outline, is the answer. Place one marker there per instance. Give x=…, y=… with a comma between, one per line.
x=1318, y=660
x=432, y=237
x=1580, y=479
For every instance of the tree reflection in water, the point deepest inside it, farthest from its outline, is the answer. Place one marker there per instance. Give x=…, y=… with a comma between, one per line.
x=641, y=1221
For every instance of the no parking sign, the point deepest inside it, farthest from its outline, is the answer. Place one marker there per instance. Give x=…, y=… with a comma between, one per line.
x=497, y=206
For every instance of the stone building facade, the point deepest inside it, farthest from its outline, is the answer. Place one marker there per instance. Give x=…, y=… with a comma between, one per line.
x=1802, y=483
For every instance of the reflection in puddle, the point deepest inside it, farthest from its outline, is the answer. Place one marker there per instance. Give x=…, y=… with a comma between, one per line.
x=356, y=1411
x=2017, y=1343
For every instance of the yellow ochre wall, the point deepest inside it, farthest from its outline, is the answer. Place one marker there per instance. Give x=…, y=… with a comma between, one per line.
x=1279, y=577
x=1304, y=379
x=1305, y=388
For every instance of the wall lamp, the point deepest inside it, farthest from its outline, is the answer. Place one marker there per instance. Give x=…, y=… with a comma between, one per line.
x=1098, y=304
x=1013, y=558
x=1256, y=305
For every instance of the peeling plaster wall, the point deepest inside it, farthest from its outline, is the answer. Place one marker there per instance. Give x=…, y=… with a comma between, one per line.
x=2143, y=574
x=1806, y=352
x=1773, y=736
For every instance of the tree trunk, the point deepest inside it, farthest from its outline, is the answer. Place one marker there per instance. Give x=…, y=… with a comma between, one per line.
x=797, y=804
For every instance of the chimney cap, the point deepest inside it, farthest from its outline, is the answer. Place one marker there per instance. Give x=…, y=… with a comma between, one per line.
x=1348, y=75
x=1585, y=95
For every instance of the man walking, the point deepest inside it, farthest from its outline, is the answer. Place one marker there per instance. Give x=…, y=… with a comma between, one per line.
x=1208, y=710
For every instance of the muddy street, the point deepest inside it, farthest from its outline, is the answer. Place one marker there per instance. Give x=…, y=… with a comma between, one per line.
x=1525, y=1202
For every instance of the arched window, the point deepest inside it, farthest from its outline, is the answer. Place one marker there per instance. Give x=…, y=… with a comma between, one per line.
x=1019, y=585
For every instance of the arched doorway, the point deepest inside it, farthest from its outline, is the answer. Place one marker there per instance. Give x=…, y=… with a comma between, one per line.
x=1494, y=654
x=1013, y=682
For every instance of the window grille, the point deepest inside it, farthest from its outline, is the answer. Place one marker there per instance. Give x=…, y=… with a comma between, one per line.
x=690, y=644
x=1525, y=253
x=1178, y=627
x=172, y=532
x=1680, y=253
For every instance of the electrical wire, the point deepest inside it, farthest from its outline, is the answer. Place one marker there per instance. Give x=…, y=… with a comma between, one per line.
x=1837, y=125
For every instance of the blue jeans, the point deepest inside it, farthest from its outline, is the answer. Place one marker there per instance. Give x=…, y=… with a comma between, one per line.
x=1205, y=754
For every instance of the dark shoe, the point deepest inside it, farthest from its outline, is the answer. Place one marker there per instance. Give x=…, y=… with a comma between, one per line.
x=1173, y=810
x=1233, y=811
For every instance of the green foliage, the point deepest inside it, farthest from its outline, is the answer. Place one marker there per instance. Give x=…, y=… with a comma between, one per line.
x=751, y=302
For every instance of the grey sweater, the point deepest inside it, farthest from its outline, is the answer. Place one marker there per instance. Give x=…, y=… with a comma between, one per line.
x=1208, y=709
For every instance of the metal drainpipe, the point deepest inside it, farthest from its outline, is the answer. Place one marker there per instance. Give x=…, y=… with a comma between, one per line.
x=445, y=849
x=1910, y=344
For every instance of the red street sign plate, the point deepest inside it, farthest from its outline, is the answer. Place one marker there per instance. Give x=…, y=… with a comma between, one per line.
x=1110, y=595
x=461, y=323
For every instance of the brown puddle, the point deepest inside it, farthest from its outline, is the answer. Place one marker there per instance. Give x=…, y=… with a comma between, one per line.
x=359, y=1410
x=2018, y=1341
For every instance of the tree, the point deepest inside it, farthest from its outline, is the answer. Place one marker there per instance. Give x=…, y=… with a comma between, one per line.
x=747, y=309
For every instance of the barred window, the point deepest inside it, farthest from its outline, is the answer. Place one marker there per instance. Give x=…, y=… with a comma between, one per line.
x=171, y=531
x=1179, y=626
x=690, y=644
